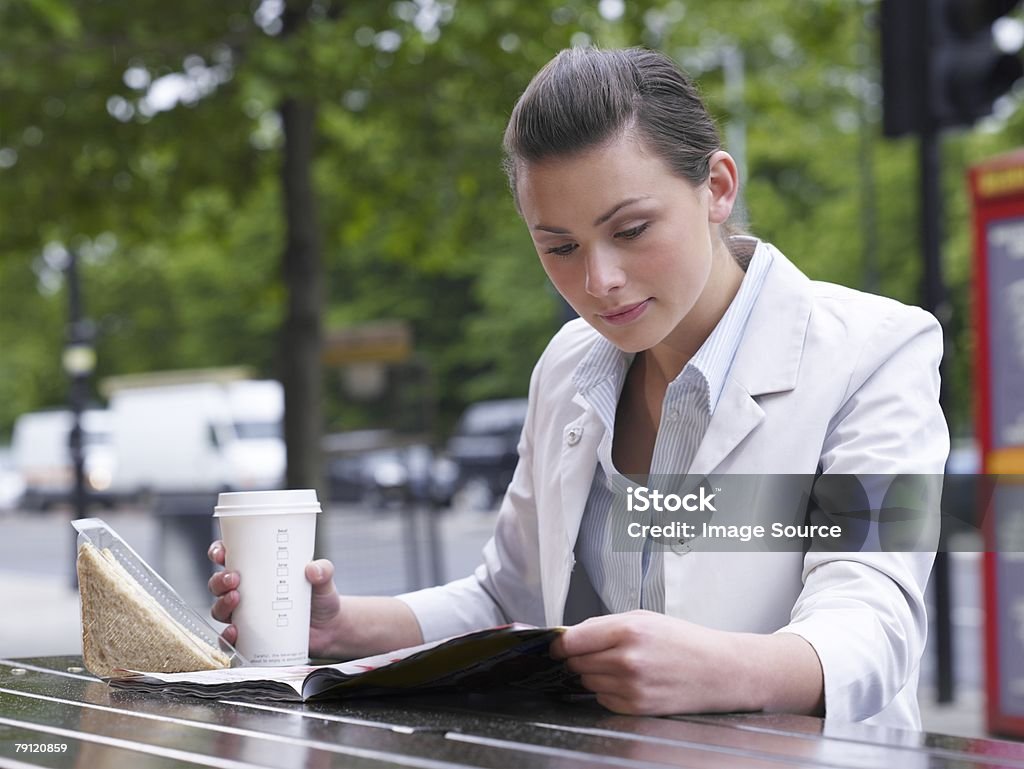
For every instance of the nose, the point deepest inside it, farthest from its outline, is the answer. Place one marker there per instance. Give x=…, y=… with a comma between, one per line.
x=604, y=273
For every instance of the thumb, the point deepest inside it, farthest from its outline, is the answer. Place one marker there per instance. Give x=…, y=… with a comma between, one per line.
x=320, y=574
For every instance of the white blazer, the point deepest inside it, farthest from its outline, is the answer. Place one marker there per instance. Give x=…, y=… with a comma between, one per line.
x=826, y=379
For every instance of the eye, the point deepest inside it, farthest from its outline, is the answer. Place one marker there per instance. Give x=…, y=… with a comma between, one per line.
x=562, y=251
x=633, y=232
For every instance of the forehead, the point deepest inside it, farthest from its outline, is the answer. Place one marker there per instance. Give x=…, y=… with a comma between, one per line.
x=589, y=182
x=612, y=160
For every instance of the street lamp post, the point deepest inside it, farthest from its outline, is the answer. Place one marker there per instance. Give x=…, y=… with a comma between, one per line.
x=79, y=361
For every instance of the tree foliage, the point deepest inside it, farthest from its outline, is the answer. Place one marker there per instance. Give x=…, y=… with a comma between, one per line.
x=146, y=136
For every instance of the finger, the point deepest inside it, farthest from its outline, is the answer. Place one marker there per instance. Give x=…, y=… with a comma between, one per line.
x=223, y=581
x=216, y=553
x=320, y=574
x=230, y=634
x=589, y=637
x=602, y=684
x=324, y=605
x=619, y=704
x=609, y=662
x=224, y=606
x=557, y=649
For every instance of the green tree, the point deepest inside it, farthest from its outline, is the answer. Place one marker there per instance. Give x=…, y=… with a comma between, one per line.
x=153, y=138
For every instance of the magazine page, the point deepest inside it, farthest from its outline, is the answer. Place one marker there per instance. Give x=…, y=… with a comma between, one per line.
x=513, y=655
x=484, y=659
x=280, y=684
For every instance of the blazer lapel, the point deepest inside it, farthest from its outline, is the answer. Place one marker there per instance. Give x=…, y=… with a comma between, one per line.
x=580, y=439
x=736, y=415
x=767, y=361
x=578, y=461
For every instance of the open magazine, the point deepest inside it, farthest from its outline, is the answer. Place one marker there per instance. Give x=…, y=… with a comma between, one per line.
x=511, y=656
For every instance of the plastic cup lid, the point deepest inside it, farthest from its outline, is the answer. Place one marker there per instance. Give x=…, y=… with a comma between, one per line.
x=279, y=502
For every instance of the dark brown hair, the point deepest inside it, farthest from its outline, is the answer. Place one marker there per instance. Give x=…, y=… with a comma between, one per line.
x=585, y=97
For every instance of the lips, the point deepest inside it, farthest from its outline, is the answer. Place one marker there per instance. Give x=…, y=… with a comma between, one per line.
x=625, y=314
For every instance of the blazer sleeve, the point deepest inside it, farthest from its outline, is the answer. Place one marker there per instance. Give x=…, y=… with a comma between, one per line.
x=506, y=586
x=864, y=612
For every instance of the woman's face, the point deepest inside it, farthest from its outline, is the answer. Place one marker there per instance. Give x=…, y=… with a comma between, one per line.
x=630, y=245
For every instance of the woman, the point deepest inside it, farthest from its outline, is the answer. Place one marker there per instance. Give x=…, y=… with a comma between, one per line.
x=696, y=351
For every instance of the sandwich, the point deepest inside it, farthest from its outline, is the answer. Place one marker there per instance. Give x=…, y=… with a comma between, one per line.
x=126, y=628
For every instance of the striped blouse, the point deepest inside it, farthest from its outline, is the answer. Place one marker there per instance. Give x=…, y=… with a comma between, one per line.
x=633, y=577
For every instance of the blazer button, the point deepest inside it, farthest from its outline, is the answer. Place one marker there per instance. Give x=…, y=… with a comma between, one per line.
x=573, y=436
x=680, y=546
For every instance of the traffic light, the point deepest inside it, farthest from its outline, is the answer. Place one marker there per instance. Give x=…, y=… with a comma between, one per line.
x=904, y=65
x=940, y=64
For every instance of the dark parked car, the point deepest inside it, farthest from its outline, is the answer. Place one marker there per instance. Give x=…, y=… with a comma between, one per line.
x=378, y=469
x=483, y=448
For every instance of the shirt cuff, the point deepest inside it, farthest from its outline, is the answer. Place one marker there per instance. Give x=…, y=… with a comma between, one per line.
x=461, y=606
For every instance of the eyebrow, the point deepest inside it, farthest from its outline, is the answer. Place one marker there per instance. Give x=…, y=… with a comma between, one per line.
x=599, y=220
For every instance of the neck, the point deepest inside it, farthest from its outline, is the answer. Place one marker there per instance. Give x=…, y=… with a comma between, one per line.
x=667, y=359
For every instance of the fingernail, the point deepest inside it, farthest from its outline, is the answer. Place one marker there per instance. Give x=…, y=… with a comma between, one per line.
x=318, y=573
x=214, y=549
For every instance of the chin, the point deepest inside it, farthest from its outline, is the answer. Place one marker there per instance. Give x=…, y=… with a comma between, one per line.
x=628, y=341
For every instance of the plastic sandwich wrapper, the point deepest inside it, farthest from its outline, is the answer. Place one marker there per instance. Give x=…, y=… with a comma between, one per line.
x=96, y=532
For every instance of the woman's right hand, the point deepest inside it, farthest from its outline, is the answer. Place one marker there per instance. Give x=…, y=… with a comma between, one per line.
x=324, y=610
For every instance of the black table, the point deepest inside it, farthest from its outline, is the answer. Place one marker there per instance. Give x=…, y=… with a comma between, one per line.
x=71, y=719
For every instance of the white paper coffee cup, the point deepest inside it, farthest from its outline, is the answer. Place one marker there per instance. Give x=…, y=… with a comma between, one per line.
x=268, y=537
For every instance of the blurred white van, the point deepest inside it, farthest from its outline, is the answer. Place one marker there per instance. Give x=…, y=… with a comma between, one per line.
x=12, y=485
x=198, y=437
x=41, y=453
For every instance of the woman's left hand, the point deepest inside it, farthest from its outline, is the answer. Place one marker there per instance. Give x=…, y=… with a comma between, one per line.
x=645, y=663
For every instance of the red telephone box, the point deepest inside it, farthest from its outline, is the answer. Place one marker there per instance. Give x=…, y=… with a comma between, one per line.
x=997, y=195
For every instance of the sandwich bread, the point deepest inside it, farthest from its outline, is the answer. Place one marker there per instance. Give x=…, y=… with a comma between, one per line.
x=124, y=627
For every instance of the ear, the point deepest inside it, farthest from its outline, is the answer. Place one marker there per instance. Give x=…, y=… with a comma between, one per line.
x=723, y=185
